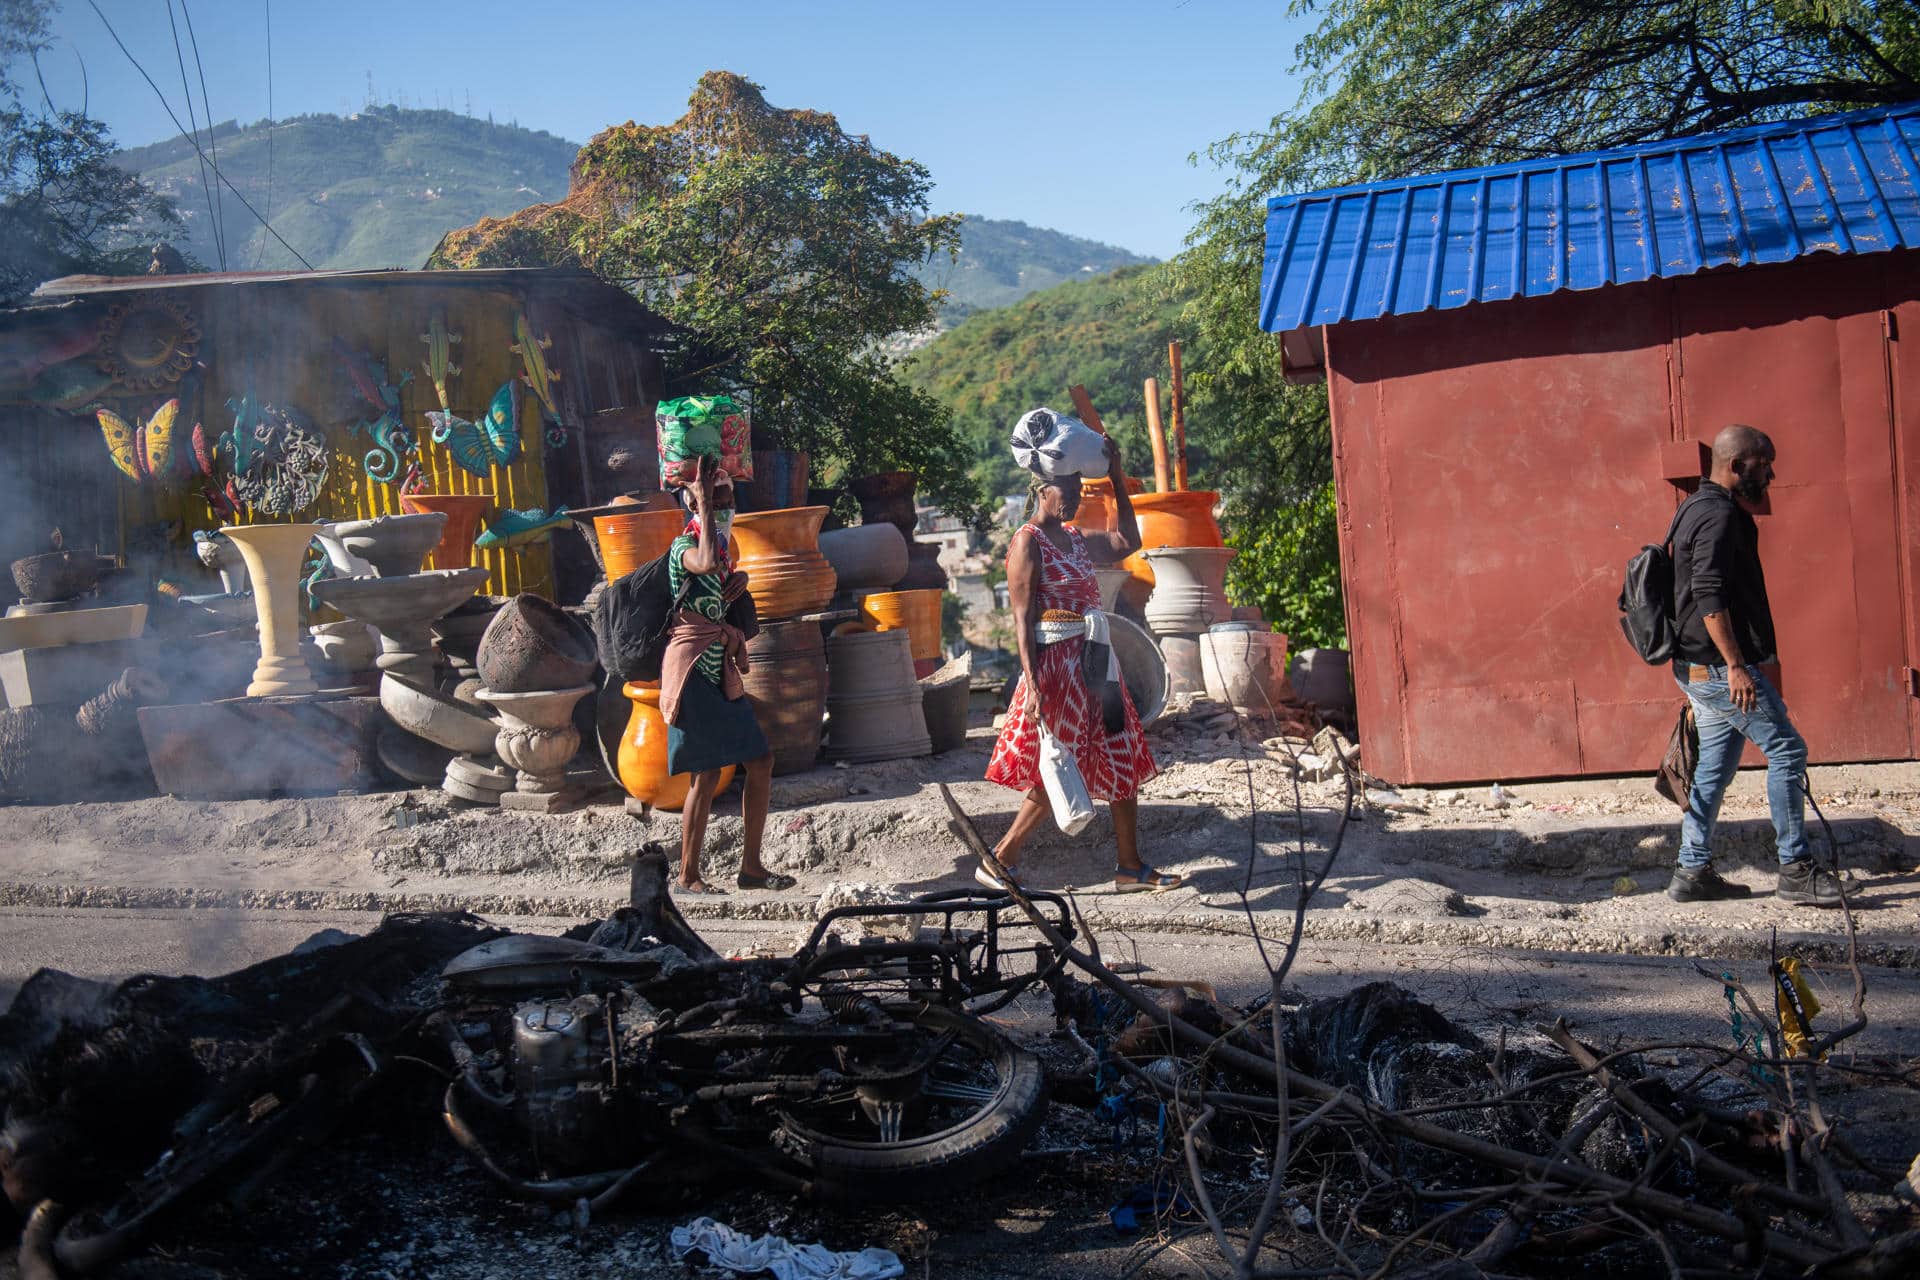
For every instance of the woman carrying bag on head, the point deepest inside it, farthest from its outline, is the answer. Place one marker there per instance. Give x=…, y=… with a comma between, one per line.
x=1069, y=687
x=710, y=723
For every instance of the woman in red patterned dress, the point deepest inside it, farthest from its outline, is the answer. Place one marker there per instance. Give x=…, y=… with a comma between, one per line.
x=1050, y=579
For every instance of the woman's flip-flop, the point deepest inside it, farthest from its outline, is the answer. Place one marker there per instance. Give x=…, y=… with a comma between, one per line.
x=987, y=880
x=1144, y=879
x=699, y=889
x=766, y=880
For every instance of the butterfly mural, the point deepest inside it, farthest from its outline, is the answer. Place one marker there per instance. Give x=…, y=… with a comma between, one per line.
x=142, y=450
x=480, y=446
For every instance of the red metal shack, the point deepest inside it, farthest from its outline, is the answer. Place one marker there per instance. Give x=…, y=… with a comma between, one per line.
x=1524, y=364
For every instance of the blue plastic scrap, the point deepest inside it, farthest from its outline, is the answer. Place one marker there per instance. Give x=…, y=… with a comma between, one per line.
x=1846, y=184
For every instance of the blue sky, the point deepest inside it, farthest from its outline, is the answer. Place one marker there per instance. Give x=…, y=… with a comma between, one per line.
x=1079, y=116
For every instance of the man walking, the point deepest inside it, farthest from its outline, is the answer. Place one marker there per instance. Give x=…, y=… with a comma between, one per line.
x=1724, y=652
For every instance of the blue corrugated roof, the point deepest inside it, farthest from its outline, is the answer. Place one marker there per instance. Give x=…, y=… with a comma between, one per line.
x=1831, y=184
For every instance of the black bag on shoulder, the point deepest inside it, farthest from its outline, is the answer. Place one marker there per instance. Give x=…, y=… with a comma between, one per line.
x=631, y=618
x=1646, y=599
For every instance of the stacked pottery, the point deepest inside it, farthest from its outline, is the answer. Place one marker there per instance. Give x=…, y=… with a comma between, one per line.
x=1183, y=518
x=787, y=683
x=780, y=554
x=887, y=498
x=535, y=663
x=915, y=612
x=873, y=700
x=1245, y=666
x=1189, y=595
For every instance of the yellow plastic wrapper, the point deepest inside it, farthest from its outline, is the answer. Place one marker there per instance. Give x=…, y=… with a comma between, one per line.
x=1796, y=1004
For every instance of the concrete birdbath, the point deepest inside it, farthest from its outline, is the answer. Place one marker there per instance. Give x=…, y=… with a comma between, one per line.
x=344, y=563
x=394, y=546
x=402, y=610
x=274, y=554
x=537, y=738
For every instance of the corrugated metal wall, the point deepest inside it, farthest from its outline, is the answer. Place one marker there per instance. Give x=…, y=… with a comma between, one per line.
x=1497, y=466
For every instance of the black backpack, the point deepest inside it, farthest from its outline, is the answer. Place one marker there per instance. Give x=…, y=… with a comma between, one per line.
x=1646, y=599
x=631, y=617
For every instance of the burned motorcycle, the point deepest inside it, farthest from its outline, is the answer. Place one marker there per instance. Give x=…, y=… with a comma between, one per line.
x=844, y=1071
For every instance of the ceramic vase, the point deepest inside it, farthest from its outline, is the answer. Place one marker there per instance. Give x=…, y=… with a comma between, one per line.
x=533, y=645
x=915, y=612
x=392, y=546
x=642, y=760
x=1189, y=589
x=454, y=550
x=923, y=568
x=274, y=554
x=630, y=540
x=888, y=497
x=780, y=554
x=874, y=709
x=537, y=739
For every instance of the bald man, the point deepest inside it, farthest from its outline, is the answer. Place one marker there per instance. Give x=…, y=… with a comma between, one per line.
x=1724, y=650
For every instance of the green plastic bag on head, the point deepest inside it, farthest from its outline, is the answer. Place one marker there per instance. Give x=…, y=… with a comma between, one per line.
x=693, y=427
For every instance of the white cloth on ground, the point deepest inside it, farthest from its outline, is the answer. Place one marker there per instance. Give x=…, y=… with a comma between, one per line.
x=730, y=1250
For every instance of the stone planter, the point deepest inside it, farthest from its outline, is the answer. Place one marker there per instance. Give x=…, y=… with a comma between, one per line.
x=55, y=575
x=780, y=554
x=1245, y=667
x=402, y=610
x=1180, y=519
x=454, y=550
x=631, y=539
x=788, y=686
x=346, y=648
x=874, y=707
x=1189, y=589
x=394, y=546
x=532, y=645
x=275, y=554
x=888, y=497
x=344, y=563
x=537, y=740
x=867, y=557
x=642, y=761
x=779, y=481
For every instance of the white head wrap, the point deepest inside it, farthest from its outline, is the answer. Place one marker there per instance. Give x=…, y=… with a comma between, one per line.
x=1050, y=444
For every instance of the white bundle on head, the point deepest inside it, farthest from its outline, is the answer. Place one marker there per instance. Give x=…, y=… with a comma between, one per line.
x=1050, y=445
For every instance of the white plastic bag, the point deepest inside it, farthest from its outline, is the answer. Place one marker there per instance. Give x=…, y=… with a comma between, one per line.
x=1066, y=789
x=1052, y=445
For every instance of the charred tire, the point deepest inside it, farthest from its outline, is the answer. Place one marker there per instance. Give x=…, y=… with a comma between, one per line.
x=982, y=1144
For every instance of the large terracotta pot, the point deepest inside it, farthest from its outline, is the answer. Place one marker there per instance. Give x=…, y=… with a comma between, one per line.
x=1096, y=513
x=915, y=612
x=887, y=497
x=1189, y=589
x=779, y=481
x=788, y=686
x=1180, y=519
x=629, y=541
x=643, y=754
x=1244, y=666
x=780, y=554
x=455, y=548
x=274, y=554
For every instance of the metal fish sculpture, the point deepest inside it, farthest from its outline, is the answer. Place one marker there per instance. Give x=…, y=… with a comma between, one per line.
x=511, y=528
x=480, y=446
x=439, y=362
x=142, y=450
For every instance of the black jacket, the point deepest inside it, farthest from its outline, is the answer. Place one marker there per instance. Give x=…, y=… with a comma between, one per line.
x=1716, y=567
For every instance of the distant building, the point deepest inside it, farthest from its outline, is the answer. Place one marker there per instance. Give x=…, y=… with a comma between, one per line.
x=947, y=532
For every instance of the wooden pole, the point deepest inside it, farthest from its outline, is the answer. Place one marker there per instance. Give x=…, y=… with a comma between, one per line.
x=1083, y=405
x=1158, y=435
x=1179, y=422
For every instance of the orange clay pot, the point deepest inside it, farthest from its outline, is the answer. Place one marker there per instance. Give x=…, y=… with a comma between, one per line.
x=627, y=542
x=643, y=753
x=1183, y=518
x=455, y=548
x=1096, y=513
x=915, y=612
x=779, y=551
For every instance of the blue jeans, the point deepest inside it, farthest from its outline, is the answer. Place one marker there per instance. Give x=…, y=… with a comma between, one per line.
x=1724, y=731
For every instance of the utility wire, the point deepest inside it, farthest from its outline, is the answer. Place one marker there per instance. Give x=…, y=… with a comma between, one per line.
x=261, y=246
x=206, y=182
x=92, y=4
x=206, y=109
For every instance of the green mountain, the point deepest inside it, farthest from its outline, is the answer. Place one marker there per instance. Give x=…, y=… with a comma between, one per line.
x=379, y=189
x=374, y=189
x=1109, y=333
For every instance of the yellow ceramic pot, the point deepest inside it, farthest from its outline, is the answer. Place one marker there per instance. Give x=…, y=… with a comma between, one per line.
x=643, y=753
x=915, y=612
x=629, y=541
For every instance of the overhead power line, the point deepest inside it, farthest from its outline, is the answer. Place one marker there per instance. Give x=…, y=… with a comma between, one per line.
x=206, y=109
x=247, y=204
x=261, y=252
x=206, y=182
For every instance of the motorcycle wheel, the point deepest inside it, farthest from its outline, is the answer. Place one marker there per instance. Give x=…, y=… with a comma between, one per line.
x=977, y=1107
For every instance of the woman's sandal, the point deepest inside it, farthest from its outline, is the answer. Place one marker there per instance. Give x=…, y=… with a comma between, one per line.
x=987, y=880
x=1144, y=879
x=765, y=880
x=699, y=889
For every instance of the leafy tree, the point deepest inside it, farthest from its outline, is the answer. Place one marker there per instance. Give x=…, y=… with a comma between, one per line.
x=1398, y=87
x=785, y=243
x=65, y=206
